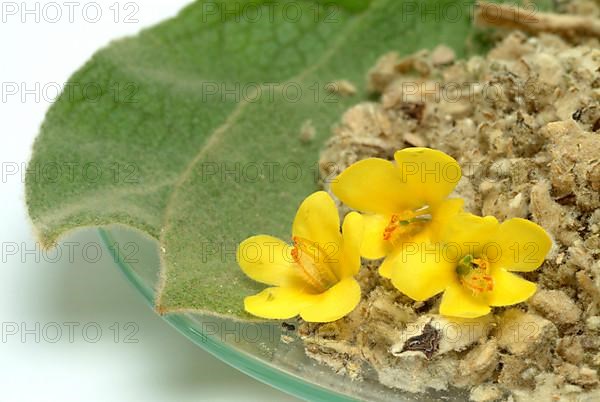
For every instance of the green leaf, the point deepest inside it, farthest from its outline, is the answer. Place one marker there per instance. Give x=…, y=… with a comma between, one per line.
x=190, y=131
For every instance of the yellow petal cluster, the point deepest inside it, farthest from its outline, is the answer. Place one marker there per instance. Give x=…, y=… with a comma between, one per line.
x=314, y=276
x=429, y=245
x=403, y=202
x=472, y=266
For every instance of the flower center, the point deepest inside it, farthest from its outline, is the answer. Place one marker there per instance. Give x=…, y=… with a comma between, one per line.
x=406, y=224
x=314, y=263
x=474, y=274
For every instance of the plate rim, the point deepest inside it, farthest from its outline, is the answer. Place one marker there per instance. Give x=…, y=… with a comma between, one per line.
x=242, y=361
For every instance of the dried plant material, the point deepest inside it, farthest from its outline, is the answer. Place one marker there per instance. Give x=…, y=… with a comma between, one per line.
x=414, y=373
x=530, y=20
x=441, y=55
x=523, y=124
x=551, y=215
x=525, y=334
x=383, y=72
x=428, y=342
x=556, y=306
x=307, y=131
x=369, y=119
x=587, y=285
x=414, y=140
x=575, y=167
x=434, y=335
x=570, y=349
x=341, y=87
x=486, y=393
x=479, y=364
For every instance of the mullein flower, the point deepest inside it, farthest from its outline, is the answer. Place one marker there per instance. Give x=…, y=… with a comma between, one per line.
x=313, y=277
x=471, y=266
x=403, y=202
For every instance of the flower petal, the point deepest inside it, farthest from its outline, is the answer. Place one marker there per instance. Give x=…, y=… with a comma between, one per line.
x=318, y=221
x=523, y=245
x=442, y=214
x=509, y=288
x=458, y=302
x=428, y=175
x=278, y=303
x=469, y=234
x=374, y=246
x=387, y=266
x=352, y=234
x=267, y=259
x=420, y=271
x=333, y=304
x=372, y=185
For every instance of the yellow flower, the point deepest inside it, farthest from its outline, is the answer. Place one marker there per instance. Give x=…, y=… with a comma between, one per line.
x=315, y=276
x=472, y=266
x=404, y=201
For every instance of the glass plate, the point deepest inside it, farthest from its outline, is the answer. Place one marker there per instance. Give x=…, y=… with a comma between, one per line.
x=255, y=349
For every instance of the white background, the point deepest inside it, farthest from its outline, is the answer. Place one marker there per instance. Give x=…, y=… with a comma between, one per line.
x=162, y=365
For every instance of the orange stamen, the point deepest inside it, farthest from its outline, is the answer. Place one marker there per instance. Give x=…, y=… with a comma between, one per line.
x=405, y=224
x=311, y=258
x=478, y=279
